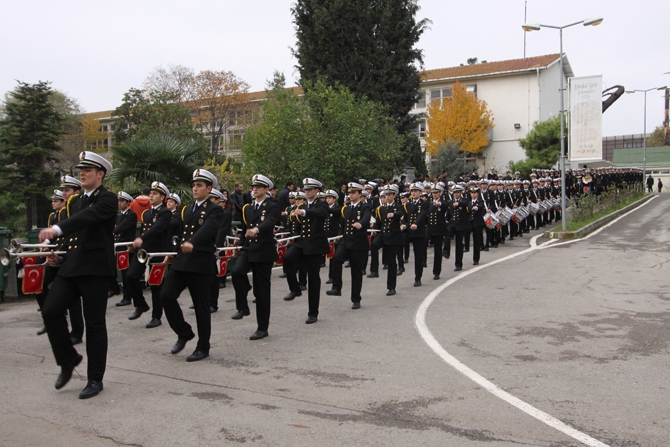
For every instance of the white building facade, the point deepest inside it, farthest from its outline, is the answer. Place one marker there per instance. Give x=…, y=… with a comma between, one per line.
x=518, y=92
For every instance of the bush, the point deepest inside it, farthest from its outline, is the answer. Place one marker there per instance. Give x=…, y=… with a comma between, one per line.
x=588, y=208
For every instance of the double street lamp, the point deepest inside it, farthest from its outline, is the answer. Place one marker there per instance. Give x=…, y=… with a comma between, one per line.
x=536, y=27
x=644, y=134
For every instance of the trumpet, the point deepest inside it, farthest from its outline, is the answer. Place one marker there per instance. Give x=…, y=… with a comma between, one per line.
x=7, y=256
x=220, y=250
x=17, y=245
x=144, y=257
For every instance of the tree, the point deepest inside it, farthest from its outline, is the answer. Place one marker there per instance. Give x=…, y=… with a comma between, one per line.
x=327, y=134
x=368, y=46
x=542, y=146
x=161, y=158
x=657, y=137
x=148, y=113
x=449, y=158
x=462, y=120
x=30, y=130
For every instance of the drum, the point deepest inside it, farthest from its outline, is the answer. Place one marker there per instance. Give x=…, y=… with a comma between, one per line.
x=533, y=208
x=522, y=212
x=491, y=220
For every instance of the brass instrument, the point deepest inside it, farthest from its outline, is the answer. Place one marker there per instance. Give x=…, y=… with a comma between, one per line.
x=587, y=178
x=7, y=256
x=144, y=257
x=17, y=245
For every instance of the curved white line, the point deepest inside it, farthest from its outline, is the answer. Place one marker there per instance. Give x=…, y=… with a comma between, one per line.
x=424, y=332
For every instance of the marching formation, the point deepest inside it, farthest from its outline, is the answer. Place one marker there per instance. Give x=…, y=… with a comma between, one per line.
x=190, y=245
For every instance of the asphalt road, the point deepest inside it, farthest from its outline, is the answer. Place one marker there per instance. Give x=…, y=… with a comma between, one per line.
x=577, y=332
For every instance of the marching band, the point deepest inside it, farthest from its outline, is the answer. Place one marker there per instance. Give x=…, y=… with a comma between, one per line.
x=194, y=245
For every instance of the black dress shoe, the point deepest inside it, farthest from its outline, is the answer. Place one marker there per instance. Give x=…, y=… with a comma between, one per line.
x=66, y=371
x=417, y=283
x=385, y=267
x=155, y=322
x=42, y=331
x=511, y=238
x=323, y=264
x=222, y=285
x=181, y=343
x=123, y=302
x=197, y=355
x=373, y=275
x=241, y=314
x=486, y=249
x=436, y=277
x=303, y=287
x=75, y=340
x=138, y=313
x=425, y=265
x=191, y=306
x=400, y=271
x=212, y=310
x=466, y=250
x=92, y=388
x=391, y=292
x=258, y=335
x=111, y=294
x=475, y=263
x=330, y=281
x=334, y=292
x=406, y=260
x=311, y=320
x=502, y=241
x=347, y=265
x=291, y=296
x=283, y=275
x=356, y=305
x=458, y=269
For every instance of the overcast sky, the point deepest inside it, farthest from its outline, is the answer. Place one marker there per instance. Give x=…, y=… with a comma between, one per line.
x=96, y=51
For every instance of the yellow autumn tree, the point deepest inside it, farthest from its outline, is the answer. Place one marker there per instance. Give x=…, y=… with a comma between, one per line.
x=462, y=119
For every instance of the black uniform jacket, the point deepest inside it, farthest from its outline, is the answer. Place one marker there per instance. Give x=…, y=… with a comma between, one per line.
x=312, y=233
x=262, y=247
x=154, y=230
x=126, y=224
x=477, y=216
x=437, y=218
x=199, y=228
x=417, y=214
x=333, y=222
x=89, y=231
x=391, y=232
x=224, y=229
x=459, y=216
x=354, y=239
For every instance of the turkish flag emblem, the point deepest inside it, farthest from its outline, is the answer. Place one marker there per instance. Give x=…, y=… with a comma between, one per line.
x=281, y=251
x=29, y=260
x=33, y=279
x=331, y=252
x=156, y=274
x=122, y=260
x=369, y=240
x=222, y=266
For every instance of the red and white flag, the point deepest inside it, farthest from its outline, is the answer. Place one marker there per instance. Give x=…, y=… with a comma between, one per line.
x=156, y=274
x=281, y=251
x=222, y=266
x=122, y=260
x=33, y=279
x=331, y=252
x=29, y=260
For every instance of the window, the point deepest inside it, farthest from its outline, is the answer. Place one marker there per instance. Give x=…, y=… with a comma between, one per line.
x=421, y=103
x=422, y=129
x=472, y=89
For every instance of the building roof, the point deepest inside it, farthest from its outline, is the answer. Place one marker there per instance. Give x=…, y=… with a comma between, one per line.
x=656, y=156
x=494, y=68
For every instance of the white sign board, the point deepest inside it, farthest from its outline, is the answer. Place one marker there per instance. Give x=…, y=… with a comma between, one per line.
x=586, y=119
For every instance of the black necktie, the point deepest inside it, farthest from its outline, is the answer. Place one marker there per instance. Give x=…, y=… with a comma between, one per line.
x=256, y=205
x=84, y=200
x=195, y=206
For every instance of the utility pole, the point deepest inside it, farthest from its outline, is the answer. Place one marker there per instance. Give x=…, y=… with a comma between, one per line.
x=665, y=121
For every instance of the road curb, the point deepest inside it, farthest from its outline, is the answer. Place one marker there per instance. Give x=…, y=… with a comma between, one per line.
x=557, y=234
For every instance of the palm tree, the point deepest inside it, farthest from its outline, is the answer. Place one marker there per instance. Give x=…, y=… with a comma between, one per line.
x=166, y=159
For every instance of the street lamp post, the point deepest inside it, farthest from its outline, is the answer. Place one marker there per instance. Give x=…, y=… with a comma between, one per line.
x=644, y=134
x=536, y=27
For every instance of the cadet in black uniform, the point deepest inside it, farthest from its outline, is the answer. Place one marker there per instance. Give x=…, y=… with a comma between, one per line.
x=218, y=199
x=153, y=239
x=477, y=211
x=258, y=254
x=124, y=231
x=437, y=227
x=390, y=215
x=458, y=214
x=193, y=267
x=417, y=216
x=333, y=223
x=89, y=263
x=309, y=247
x=353, y=245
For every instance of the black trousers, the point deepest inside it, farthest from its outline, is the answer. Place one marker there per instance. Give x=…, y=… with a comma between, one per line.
x=359, y=261
x=293, y=258
x=419, y=244
x=477, y=242
x=64, y=292
x=466, y=239
x=405, y=240
x=446, y=248
x=199, y=287
x=261, y=274
x=124, y=279
x=76, y=316
x=514, y=229
x=458, y=236
x=391, y=254
x=437, y=253
x=376, y=245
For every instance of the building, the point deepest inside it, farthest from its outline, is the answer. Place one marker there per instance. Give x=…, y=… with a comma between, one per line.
x=518, y=92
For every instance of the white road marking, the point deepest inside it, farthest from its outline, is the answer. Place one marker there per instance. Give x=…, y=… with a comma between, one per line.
x=424, y=332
